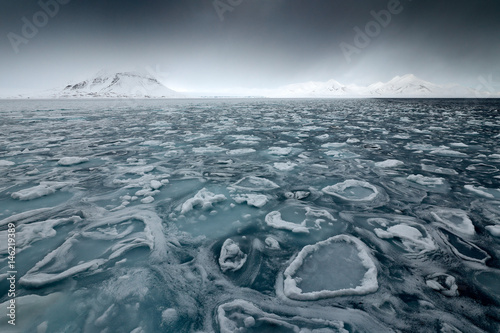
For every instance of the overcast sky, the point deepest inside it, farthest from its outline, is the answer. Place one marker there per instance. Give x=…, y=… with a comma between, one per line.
x=207, y=45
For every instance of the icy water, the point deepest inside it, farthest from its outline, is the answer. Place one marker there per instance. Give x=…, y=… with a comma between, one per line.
x=251, y=215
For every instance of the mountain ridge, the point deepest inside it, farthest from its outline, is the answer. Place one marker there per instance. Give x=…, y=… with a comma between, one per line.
x=136, y=85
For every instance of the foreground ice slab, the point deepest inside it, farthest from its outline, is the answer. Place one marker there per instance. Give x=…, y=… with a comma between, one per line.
x=338, y=266
x=243, y=316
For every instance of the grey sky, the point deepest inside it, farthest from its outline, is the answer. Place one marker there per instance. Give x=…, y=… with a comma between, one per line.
x=258, y=44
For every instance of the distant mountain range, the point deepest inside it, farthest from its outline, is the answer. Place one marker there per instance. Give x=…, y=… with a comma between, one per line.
x=407, y=86
x=140, y=85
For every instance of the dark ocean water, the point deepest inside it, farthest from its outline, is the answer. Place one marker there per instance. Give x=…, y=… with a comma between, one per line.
x=251, y=215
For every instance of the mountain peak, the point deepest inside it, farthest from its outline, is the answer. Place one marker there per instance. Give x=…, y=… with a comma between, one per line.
x=122, y=84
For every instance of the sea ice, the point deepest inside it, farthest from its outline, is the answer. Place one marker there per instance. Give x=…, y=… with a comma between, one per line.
x=456, y=219
x=256, y=200
x=273, y=219
x=426, y=181
x=443, y=283
x=253, y=183
x=242, y=316
x=353, y=190
x=447, y=152
x=272, y=243
x=285, y=166
x=280, y=151
x=241, y=151
x=489, y=193
x=389, y=163
x=45, y=188
x=67, y=161
x=204, y=198
x=338, y=266
x=5, y=163
x=494, y=230
x=411, y=238
x=231, y=257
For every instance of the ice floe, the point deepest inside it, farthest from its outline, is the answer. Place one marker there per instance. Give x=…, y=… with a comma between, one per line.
x=353, y=190
x=443, y=283
x=243, y=316
x=204, y=199
x=67, y=161
x=285, y=166
x=489, y=193
x=391, y=163
x=456, y=219
x=5, y=163
x=45, y=188
x=338, y=266
x=231, y=257
x=256, y=200
x=298, y=218
x=411, y=238
x=253, y=183
x=280, y=151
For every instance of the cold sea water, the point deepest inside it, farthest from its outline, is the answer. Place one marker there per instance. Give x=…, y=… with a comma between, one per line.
x=250, y=215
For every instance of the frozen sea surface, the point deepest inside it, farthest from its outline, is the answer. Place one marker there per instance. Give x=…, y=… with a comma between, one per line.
x=252, y=215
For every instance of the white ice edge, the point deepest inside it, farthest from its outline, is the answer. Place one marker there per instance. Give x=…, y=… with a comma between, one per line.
x=273, y=219
x=369, y=282
x=338, y=188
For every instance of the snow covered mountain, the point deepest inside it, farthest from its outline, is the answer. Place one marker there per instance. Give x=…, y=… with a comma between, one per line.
x=407, y=86
x=114, y=85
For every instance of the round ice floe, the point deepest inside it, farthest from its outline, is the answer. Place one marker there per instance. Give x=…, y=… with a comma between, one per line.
x=353, y=190
x=253, y=183
x=338, y=266
x=67, y=161
x=456, y=219
x=443, y=283
x=204, y=198
x=231, y=257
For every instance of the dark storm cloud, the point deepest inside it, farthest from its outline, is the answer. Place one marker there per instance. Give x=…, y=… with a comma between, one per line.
x=249, y=43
